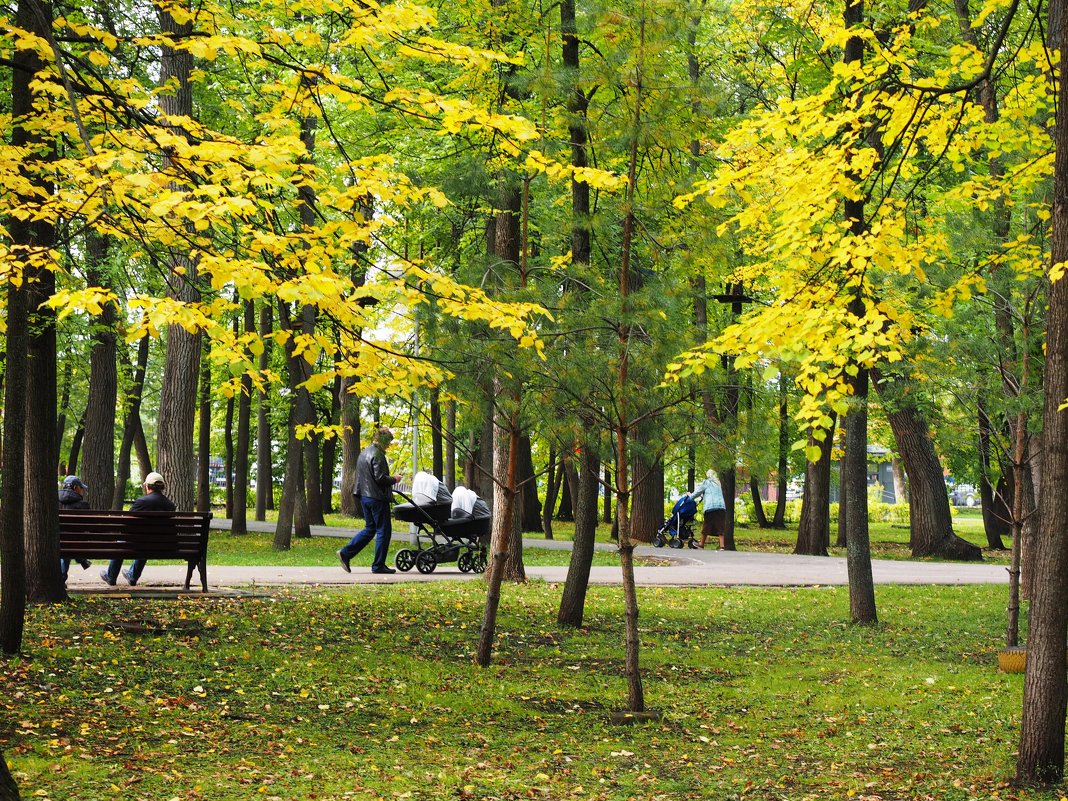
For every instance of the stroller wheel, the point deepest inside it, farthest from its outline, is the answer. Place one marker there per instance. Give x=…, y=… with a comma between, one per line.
x=480, y=562
x=404, y=560
x=676, y=542
x=466, y=562
x=693, y=542
x=426, y=562
x=658, y=540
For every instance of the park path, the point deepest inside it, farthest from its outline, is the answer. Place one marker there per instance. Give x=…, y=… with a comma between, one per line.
x=680, y=568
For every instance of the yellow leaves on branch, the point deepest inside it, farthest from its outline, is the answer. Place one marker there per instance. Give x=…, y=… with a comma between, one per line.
x=227, y=198
x=785, y=174
x=595, y=178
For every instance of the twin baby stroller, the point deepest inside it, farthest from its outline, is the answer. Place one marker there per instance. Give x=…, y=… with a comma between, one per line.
x=450, y=527
x=677, y=530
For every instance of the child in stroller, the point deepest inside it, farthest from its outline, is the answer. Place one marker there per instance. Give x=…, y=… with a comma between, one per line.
x=449, y=527
x=677, y=530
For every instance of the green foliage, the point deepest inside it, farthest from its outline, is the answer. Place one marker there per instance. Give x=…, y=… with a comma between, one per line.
x=371, y=693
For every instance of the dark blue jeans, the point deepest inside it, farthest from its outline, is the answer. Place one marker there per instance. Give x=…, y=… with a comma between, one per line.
x=377, y=525
x=135, y=569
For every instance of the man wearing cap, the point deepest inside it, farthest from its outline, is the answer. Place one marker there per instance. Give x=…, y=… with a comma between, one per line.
x=72, y=496
x=152, y=501
x=374, y=488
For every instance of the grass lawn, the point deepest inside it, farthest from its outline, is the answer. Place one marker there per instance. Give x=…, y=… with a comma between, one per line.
x=225, y=548
x=370, y=692
x=888, y=541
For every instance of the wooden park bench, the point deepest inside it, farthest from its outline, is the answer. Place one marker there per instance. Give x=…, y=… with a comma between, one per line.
x=92, y=534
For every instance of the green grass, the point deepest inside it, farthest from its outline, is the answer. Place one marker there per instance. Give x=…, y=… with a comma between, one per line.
x=888, y=541
x=370, y=692
x=254, y=548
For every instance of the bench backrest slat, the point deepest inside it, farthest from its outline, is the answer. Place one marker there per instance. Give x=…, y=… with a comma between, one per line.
x=160, y=535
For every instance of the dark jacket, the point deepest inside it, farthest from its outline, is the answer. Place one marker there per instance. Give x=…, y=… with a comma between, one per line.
x=153, y=502
x=372, y=475
x=69, y=499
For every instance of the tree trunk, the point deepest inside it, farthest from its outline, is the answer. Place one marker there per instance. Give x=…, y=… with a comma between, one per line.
x=264, y=453
x=1030, y=531
x=471, y=461
x=292, y=483
x=144, y=457
x=177, y=405
x=573, y=597
x=75, y=455
x=44, y=583
x=313, y=474
x=9, y=791
x=551, y=489
x=758, y=505
x=901, y=493
x=528, y=487
x=607, y=494
x=350, y=447
x=623, y=423
x=509, y=247
x=328, y=469
x=12, y=477
x=505, y=523
x=131, y=424
x=647, y=498
x=239, y=518
x=566, y=509
x=61, y=420
x=843, y=501
x=283, y=530
x=228, y=459
x=814, y=528
x=779, y=520
x=732, y=397
x=301, y=517
x=484, y=465
x=204, y=439
x=450, y=445
x=98, y=467
x=1040, y=757
x=691, y=463
x=993, y=498
x=930, y=521
x=577, y=125
x=436, y=434
x=855, y=488
x=728, y=480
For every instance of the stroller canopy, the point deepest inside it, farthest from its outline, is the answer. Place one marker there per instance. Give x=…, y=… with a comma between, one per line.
x=685, y=507
x=427, y=490
x=466, y=503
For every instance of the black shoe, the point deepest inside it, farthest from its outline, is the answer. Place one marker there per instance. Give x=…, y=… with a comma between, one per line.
x=107, y=579
x=85, y=563
x=383, y=570
x=344, y=563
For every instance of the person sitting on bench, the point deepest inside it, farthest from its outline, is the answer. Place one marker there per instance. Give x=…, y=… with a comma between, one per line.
x=152, y=501
x=72, y=496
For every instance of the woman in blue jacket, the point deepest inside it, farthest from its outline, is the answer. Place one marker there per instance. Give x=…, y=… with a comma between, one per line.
x=715, y=522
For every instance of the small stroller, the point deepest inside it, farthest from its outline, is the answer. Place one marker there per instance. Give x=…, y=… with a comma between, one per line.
x=677, y=531
x=445, y=532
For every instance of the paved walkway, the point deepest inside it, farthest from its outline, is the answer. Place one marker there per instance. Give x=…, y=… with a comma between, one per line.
x=680, y=568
